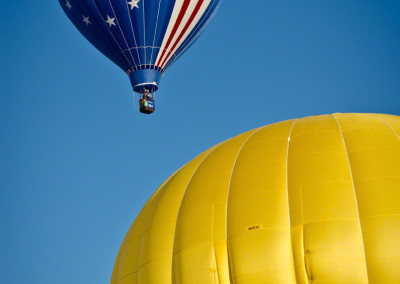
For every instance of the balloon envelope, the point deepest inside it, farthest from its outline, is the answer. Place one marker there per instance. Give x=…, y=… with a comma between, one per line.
x=309, y=200
x=143, y=37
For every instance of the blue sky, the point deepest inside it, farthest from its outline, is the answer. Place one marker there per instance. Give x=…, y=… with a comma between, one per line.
x=77, y=159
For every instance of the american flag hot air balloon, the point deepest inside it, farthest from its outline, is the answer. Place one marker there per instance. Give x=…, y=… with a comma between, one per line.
x=143, y=37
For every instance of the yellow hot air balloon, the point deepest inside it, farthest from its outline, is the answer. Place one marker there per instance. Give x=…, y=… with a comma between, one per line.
x=309, y=200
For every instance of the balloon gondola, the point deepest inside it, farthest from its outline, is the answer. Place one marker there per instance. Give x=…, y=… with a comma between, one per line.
x=146, y=102
x=144, y=38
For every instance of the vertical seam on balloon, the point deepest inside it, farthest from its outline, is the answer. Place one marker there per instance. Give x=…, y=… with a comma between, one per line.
x=287, y=163
x=119, y=26
x=122, y=51
x=227, y=198
x=144, y=36
x=155, y=32
x=309, y=274
x=384, y=121
x=133, y=33
x=175, y=56
x=212, y=218
x=354, y=191
x=180, y=205
x=184, y=29
x=287, y=198
x=215, y=275
x=307, y=264
x=213, y=246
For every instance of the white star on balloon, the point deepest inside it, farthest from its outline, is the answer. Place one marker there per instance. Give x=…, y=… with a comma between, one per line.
x=68, y=5
x=86, y=20
x=134, y=4
x=110, y=21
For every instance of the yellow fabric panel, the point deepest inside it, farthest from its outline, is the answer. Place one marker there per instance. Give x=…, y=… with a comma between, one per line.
x=200, y=247
x=382, y=248
x=392, y=121
x=333, y=252
x=193, y=260
x=258, y=222
x=374, y=153
x=322, y=201
x=156, y=245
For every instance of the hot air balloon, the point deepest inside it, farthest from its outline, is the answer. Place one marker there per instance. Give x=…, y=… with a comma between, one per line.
x=309, y=200
x=143, y=37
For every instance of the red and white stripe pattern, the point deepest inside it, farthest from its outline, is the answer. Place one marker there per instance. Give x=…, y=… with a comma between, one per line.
x=185, y=16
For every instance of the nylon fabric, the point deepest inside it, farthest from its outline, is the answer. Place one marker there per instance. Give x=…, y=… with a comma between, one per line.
x=323, y=208
x=312, y=200
x=374, y=153
x=258, y=228
x=205, y=240
x=141, y=34
x=156, y=245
